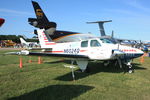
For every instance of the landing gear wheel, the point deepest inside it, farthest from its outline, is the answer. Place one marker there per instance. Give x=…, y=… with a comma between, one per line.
x=130, y=69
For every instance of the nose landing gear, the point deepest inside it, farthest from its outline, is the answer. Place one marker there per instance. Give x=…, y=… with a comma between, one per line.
x=127, y=64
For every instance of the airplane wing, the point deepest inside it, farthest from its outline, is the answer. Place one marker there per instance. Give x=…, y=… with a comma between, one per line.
x=26, y=52
x=57, y=55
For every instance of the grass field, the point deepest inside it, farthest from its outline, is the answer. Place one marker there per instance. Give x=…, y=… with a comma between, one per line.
x=52, y=81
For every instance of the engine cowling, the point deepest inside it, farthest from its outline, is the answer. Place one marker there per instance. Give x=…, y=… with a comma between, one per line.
x=39, y=23
x=33, y=22
x=49, y=27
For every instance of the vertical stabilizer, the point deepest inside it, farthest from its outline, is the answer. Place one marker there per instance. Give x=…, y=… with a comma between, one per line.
x=39, y=12
x=23, y=41
x=41, y=21
x=44, y=39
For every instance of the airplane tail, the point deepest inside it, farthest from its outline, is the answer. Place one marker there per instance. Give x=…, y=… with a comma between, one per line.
x=44, y=39
x=39, y=12
x=23, y=41
x=41, y=20
x=101, y=26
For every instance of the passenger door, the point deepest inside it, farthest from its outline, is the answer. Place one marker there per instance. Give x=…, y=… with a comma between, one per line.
x=96, y=51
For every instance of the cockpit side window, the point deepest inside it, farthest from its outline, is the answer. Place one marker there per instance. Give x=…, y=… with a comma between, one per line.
x=94, y=43
x=84, y=44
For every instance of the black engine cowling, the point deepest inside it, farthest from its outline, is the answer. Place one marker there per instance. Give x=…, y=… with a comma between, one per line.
x=49, y=27
x=39, y=23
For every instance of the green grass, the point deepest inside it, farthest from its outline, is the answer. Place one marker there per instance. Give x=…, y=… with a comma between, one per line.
x=52, y=81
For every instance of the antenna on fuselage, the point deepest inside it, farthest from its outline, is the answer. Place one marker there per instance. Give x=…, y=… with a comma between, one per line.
x=101, y=27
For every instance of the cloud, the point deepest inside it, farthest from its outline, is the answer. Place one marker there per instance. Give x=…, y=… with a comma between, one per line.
x=14, y=12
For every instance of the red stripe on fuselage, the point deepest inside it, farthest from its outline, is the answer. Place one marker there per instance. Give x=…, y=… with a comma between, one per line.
x=46, y=41
x=129, y=50
x=83, y=50
x=50, y=43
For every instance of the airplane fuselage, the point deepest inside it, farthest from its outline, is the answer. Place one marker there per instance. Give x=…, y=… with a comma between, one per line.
x=93, y=53
x=93, y=49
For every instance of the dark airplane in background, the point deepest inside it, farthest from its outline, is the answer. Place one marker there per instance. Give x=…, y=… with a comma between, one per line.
x=42, y=22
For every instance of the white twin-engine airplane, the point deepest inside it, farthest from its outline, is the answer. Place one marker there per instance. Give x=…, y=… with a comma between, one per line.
x=87, y=50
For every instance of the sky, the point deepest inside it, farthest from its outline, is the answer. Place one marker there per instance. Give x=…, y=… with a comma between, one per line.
x=130, y=18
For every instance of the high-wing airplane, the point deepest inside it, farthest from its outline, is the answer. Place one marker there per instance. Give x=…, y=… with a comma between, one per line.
x=81, y=50
x=28, y=44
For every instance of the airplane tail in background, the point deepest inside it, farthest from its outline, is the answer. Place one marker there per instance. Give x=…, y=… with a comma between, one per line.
x=44, y=39
x=39, y=12
x=23, y=41
x=41, y=20
x=101, y=26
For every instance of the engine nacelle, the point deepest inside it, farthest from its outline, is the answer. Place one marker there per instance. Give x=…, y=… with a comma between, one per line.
x=49, y=27
x=33, y=22
x=40, y=23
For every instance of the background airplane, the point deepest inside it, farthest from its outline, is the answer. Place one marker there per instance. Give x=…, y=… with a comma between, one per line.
x=28, y=44
x=42, y=22
x=1, y=21
x=129, y=42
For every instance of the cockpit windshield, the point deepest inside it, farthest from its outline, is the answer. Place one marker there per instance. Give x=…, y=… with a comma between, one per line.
x=108, y=40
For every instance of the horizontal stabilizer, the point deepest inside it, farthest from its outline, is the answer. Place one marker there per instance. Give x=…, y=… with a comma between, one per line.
x=100, y=23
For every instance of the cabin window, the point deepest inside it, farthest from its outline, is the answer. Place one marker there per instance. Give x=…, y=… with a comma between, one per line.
x=94, y=43
x=84, y=44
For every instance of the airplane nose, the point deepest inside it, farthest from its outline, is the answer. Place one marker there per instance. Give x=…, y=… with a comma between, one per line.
x=139, y=53
x=116, y=51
